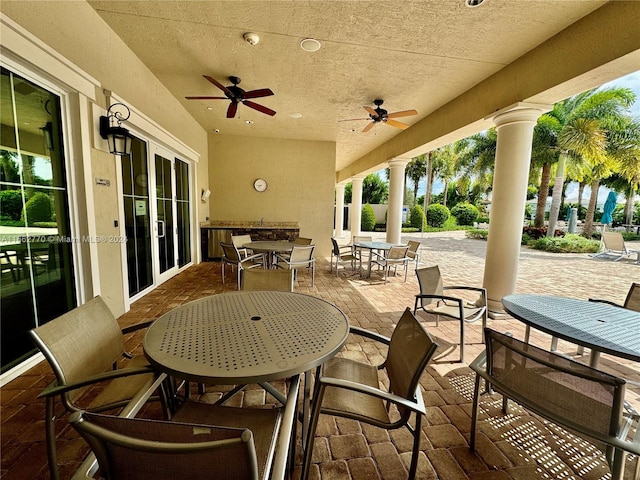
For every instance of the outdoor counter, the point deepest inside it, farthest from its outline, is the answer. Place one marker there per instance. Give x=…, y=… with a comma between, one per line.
x=214, y=232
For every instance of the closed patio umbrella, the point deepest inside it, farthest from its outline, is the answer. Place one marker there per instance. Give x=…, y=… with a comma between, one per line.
x=608, y=208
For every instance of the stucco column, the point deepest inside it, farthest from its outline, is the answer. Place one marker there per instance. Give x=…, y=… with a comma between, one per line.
x=513, y=156
x=339, y=210
x=356, y=204
x=396, y=198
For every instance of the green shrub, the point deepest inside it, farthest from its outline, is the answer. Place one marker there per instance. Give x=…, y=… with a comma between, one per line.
x=367, y=219
x=465, y=213
x=417, y=218
x=570, y=243
x=11, y=204
x=477, y=233
x=38, y=209
x=437, y=214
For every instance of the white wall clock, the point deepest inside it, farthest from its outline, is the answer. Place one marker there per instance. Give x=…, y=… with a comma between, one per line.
x=260, y=184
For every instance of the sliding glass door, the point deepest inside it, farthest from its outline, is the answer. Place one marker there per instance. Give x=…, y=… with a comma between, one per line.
x=37, y=281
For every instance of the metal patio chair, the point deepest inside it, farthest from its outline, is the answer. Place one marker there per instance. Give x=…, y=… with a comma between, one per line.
x=435, y=298
x=351, y=389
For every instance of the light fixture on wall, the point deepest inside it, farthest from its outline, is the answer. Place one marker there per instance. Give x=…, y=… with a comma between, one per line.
x=47, y=133
x=116, y=136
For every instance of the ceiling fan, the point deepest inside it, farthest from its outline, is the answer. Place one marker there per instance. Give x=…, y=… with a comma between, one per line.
x=238, y=95
x=379, y=114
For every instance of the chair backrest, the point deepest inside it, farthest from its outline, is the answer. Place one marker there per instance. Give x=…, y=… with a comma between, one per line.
x=632, y=302
x=362, y=238
x=80, y=343
x=268, y=279
x=410, y=350
x=413, y=246
x=335, y=246
x=398, y=253
x=138, y=449
x=240, y=240
x=230, y=252
x=614, y=241
x=556, y=387
x=430, y=280
x=301, y=255
x=303, y=241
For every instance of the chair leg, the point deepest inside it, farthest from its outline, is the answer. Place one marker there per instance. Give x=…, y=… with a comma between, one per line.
x=50, y=433
x=311, y=433
x=416, y=447
x=474, y=413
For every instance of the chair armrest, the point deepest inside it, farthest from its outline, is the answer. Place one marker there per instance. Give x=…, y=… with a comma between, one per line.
x=465, y=287
x=375, y=392
x=253, y=257
x=439, y=297
x=137, y=326
x=369, y=334
x=55, y=389
x=609, y=302
x=285, y=436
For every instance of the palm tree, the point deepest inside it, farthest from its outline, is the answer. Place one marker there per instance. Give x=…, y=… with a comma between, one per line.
x=624, y=145
x=582, y=137
x=415, y=170
x=447, y=163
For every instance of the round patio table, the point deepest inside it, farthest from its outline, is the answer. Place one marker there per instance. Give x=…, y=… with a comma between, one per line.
x=596, y=325
x=270, y=247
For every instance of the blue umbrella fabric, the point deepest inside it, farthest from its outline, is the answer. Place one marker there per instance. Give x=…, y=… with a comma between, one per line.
x=608, y=208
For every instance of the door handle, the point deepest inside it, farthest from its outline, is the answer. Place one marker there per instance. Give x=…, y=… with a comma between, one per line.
x=160, y=224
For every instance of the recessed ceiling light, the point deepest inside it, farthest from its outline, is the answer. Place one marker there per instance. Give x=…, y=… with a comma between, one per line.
x=310, y=45
x=248, y=122
x=295, y=115
x=473, y=3
x=217, y=130
x=209, y=108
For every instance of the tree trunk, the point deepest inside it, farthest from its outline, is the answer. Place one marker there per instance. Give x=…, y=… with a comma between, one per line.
x=580, y=194
x=543, y=193
x=444, y=194
x=427, y=193
x=587, y=230
x=628, y=208
x=556, y=196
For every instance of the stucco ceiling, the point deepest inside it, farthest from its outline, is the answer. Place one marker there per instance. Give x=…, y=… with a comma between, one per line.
x=413, y=54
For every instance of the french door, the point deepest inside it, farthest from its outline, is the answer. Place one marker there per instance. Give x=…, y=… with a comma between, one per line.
x=165, y=217
x=157, y=215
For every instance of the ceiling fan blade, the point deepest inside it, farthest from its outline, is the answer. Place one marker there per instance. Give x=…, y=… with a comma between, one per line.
x=218, y=84
x=206, y=98
x=353, y=119
x=231, y=111
x=371, y=111
x=395, y=123
x=368, y=127
x=263, y=92
x=259, y=108
x=404, y=113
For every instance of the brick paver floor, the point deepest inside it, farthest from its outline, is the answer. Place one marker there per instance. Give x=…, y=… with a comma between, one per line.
x=517, y=446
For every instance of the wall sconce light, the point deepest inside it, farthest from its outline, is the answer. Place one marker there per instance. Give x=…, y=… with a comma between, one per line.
x=116, y=136
x=205, y=195
x=47, y=133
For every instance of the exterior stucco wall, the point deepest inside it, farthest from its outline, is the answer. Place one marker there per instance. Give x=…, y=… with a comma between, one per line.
x=73, y=30
x=300, y=177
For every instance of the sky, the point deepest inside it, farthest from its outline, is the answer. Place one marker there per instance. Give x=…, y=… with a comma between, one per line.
x=631, y=81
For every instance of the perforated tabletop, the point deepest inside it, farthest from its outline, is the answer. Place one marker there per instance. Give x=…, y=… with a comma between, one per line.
x=595, y=325
x=246, y=337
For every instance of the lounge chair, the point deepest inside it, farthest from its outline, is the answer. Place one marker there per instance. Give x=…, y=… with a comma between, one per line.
x=612, y=245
